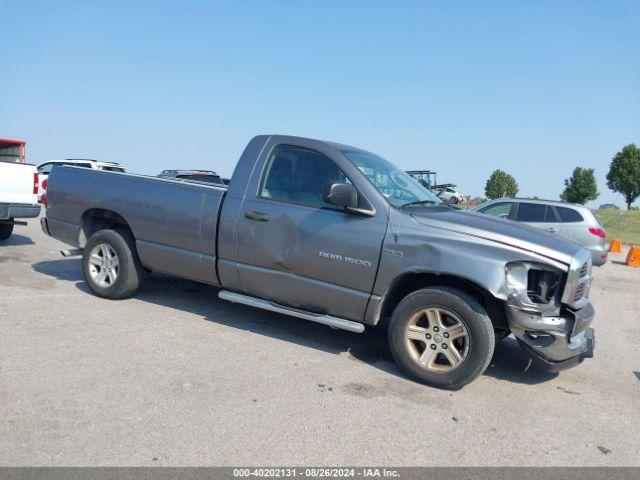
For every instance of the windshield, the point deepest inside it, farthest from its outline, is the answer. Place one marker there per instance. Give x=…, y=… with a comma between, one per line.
x=398, y=187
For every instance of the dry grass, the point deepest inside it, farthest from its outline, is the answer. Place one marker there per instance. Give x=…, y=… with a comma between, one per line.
x=621, y=224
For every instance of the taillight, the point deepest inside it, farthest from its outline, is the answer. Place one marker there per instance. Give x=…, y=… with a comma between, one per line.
x=598, y=232
x=43, y=200
x=35, y=183
x=44, y=184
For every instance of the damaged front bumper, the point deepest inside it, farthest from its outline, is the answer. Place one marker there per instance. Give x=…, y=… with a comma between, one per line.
x=554, y=343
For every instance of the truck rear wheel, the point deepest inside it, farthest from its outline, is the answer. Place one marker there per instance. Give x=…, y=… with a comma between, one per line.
x=111, y=265
x=6, y=229
x=441, y=337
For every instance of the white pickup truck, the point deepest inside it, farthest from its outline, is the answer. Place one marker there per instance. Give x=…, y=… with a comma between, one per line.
x=18, y=195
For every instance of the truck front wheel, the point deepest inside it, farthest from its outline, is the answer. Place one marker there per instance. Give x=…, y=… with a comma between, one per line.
x=111, y=265
x=441, y=337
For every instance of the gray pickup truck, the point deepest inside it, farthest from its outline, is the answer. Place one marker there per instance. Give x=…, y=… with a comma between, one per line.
x=337, y=235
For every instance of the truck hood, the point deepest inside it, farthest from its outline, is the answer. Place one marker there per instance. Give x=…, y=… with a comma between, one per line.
x=498, y=230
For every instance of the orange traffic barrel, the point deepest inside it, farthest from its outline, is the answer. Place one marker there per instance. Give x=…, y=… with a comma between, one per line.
x=633, y=258
x=616, y=246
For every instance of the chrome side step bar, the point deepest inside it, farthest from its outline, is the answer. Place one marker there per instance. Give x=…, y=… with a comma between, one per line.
x=274, y=307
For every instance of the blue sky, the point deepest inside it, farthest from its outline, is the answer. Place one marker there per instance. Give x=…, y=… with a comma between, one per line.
x=534, y=88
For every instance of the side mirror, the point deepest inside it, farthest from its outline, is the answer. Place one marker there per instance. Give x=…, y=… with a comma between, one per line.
x=341, y=194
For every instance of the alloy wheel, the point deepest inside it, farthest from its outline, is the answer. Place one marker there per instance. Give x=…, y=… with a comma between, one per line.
x=437, y=339
x=103, y=265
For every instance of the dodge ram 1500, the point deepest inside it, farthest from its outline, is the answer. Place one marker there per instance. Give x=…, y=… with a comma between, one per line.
x=337, y=235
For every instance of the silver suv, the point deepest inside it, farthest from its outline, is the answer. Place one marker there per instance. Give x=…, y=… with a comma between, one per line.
x=573, y=221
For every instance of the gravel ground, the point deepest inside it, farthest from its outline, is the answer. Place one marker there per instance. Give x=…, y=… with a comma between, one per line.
x=175, y=376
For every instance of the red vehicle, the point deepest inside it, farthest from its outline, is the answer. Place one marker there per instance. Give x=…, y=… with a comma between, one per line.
x=12, y=151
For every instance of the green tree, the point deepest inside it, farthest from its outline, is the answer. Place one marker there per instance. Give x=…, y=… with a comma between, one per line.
x=500, y=184
x=581, y=187
x=624, y=173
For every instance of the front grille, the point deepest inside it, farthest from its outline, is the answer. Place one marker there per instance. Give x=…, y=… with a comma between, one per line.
x=584, y=270
x=582, y=288
x=542, y=285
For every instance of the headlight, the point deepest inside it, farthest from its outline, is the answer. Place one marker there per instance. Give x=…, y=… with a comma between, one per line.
x=534, y=287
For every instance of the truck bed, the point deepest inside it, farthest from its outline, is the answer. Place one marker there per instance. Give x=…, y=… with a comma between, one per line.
x=16, y=183
x=174, y=223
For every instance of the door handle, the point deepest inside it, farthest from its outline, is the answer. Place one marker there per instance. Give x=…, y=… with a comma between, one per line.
x=553, y=230
x=258, y=216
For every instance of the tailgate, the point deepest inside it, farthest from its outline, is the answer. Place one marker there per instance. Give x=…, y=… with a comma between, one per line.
x=16, y=183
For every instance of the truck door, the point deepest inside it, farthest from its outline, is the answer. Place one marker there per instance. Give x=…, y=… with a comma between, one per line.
x=297, y=250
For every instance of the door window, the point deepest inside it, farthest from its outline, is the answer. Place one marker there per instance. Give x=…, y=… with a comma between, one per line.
x=501, y=209
x=535, y=213
x=299, y=175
